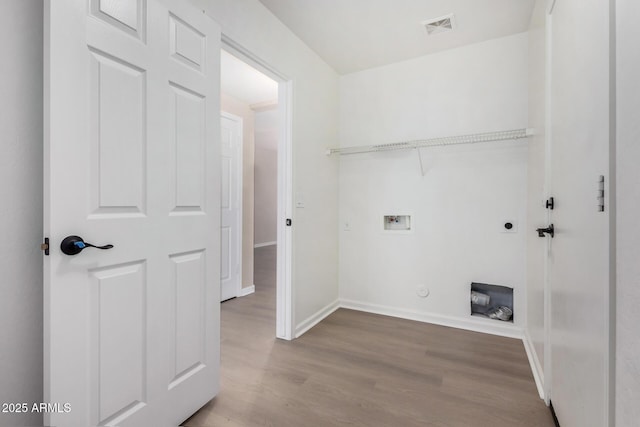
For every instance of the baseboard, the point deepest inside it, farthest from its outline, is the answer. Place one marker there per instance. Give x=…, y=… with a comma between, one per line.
x=536, y=367
x=262, y=245
x=316, y=318
x=486, y=326
x=247, y=290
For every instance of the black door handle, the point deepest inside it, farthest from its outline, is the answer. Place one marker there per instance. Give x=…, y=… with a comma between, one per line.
x=550, y=230
x=73, y=245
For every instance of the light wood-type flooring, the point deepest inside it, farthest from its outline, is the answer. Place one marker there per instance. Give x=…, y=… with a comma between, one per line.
x=361, y=369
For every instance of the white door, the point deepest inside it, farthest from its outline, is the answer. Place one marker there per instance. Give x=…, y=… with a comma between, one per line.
x=131, y=159
x=231, y=207
x=579, y=252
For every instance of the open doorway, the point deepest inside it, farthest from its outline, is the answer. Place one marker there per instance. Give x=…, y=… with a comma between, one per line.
x=255, y=186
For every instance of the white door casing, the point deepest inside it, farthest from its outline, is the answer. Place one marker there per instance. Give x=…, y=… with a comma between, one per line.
x=131, y=159
x=579, y=253
x=231, y=207
x=285, y=313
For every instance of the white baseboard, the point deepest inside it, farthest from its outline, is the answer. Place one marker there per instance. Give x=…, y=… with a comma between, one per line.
x=247, y=290
x=477, y=324
x=316, y=318
x=262, y=245
x=536, y=367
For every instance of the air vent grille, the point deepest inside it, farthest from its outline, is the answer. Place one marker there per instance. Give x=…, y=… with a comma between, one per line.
x=440, y=25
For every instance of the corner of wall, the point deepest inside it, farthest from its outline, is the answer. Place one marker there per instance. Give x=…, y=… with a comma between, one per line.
x=21, y=213
x=316, y=318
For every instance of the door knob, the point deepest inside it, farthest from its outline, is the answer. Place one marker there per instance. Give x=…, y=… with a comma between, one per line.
x=73, y=245
x=550, y=230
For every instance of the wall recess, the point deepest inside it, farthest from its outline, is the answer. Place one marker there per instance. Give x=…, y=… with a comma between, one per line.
x=397, y=222
x=493, y=301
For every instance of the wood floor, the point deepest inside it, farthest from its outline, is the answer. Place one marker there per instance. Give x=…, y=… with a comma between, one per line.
x=361, y=369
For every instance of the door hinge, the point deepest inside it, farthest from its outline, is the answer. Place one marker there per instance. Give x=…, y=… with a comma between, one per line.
x=600, y=193
x=45, y=246
x=288, y=222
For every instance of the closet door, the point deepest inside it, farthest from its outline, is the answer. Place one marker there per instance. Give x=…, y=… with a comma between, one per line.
x=231, y=206
x=579, y=252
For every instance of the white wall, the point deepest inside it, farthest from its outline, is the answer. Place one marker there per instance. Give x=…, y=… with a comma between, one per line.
x=234, y=106
x=21, y=208
x=628, y=205
x=459, y=205
x=536, y=212
x=315, y=102
x=266, y=176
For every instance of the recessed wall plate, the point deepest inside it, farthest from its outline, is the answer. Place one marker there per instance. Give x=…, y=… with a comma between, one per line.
x=422, y=291
x=397, y=222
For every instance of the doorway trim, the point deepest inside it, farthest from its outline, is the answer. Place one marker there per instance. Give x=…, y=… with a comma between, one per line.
x=284, y=288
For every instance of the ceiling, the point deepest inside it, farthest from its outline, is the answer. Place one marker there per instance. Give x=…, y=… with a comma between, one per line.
x=245, y=83
x=353, y=35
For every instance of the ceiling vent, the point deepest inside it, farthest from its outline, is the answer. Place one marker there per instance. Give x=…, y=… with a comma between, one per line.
x=440, y=25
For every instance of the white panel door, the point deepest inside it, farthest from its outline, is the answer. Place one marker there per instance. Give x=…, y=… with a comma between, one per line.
x=231, y=207
x=131, y=159
x=579, y=252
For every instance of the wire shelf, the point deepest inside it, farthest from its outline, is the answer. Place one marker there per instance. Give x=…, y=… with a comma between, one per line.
x=435, y=142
